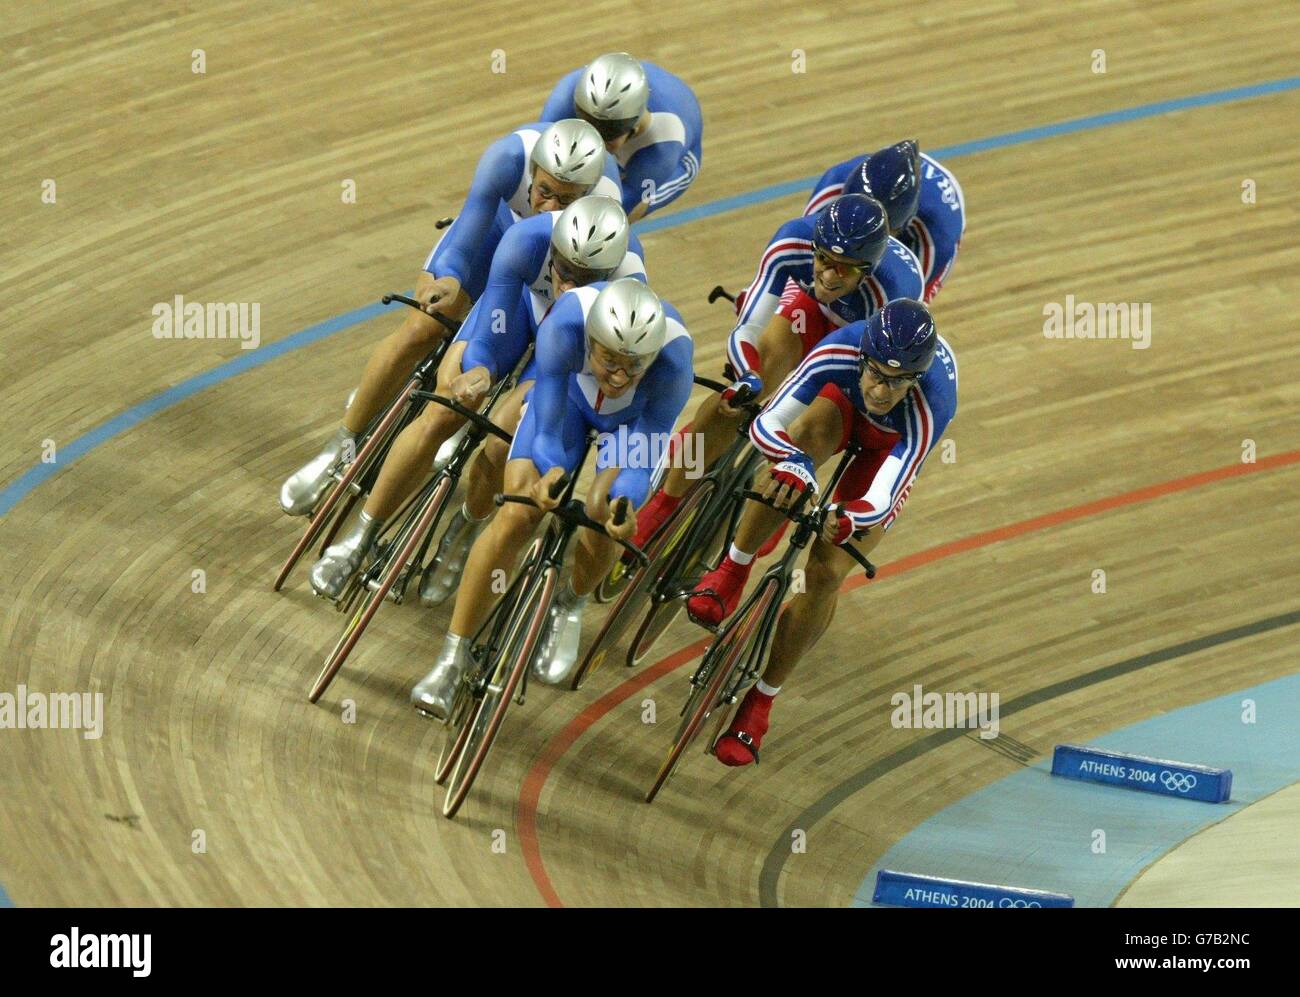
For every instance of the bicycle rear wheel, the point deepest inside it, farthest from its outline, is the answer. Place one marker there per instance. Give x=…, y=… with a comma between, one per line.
x=424, y=524
x=663, y=552
x=715, y=674
x=524, y=630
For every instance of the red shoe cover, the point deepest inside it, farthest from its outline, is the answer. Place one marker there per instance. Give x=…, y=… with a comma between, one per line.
x=747, y=730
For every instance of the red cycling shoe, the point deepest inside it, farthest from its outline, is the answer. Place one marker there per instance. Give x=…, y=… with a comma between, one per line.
x=739, y=745
x=652, y=516
x=718, y=593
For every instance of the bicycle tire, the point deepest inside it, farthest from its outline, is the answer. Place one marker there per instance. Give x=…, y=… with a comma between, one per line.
x=725, y=653
x=374, y=598
x=527, y=623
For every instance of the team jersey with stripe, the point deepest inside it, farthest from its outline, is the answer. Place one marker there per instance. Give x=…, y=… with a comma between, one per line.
x=498, y=197
x=566, y=389
x=659, y=164
x=518, y=295
x=918, y=420
x=934, y=235
x=789, y=256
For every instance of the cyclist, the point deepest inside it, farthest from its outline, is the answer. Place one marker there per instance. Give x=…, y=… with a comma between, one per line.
x=890, y=384
x=536, y=168
x=845, y=266
x=649, y=119
x=538, y=259
x=611, y=357
x=926, y=209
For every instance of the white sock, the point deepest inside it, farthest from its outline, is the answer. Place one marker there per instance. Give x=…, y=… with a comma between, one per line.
x=768, y=690
x=739, y=556
x=453, y=640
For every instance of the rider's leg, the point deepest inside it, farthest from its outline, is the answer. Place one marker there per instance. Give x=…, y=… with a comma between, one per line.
x=407, y=464
x=819, y=433
x=800, y=627
x=490, y=560
x=390, y=364
x=484, y=478
x=387, y=370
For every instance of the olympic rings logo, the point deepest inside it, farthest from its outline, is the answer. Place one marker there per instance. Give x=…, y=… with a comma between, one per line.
x=1177, y=782
x=1008, y=902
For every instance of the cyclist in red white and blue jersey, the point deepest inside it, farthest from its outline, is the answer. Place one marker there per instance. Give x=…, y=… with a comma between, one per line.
x=890, y=384
x=848, y=268
x=926, y=209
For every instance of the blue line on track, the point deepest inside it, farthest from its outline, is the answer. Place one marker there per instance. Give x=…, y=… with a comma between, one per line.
x=24, y=484
x=69, y=454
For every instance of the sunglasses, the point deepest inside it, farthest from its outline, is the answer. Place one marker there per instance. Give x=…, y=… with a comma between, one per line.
x=563, y=200
x=842, y=266
x=892, y=382
x=610, y=129
x=611, y=362
x=581, y=276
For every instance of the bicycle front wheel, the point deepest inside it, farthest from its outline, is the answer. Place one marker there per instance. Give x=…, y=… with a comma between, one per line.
x=714, y=679
x=524, y=629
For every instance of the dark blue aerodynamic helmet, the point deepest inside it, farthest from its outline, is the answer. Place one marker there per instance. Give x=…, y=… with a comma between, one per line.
x=855, y=227
x=901, y=337
x=892, y=177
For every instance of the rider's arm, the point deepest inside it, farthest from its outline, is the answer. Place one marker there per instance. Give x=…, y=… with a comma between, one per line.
x=835, y=357
x=927, y=410
x=668, y=385
x=657, y=175
x=496, y=177
x=787, y=248
x=497, y=328
x=559, y=355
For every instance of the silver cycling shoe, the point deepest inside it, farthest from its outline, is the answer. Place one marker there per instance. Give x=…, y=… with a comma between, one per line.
x=448, y=448
x=299, y=495
x=435, y=694
x=330, y=575
x=558, y=654
x=442, y=576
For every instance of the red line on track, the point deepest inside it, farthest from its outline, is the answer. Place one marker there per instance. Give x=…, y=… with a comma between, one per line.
x=531, y=791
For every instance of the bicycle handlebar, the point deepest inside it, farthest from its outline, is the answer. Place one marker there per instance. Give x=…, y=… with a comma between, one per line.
x=574, y=513
x=814, y=521
x=452, y=324
x=743, y=398
x=478, y=419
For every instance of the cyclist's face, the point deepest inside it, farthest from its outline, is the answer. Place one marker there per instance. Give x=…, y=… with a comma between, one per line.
x=615, y=374
x=882, y=390
x=550, y=194
x=834, y=276
x=565, y=276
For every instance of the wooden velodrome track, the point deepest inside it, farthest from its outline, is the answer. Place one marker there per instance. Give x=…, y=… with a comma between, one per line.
x=225, y=186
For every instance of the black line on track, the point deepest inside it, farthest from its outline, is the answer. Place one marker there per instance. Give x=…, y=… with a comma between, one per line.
x=775, y=861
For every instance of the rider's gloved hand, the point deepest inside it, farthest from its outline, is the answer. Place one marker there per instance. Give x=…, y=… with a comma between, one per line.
x=790, y=479
x=746, y=389
x=839, y=527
